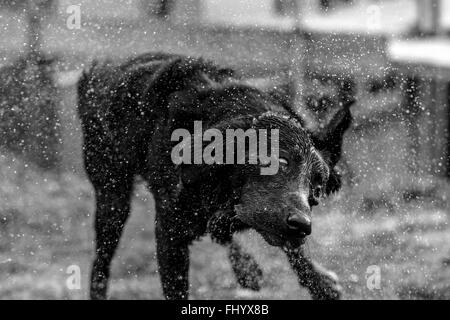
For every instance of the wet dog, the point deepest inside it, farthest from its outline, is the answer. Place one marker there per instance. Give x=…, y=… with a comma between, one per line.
x=129, y=112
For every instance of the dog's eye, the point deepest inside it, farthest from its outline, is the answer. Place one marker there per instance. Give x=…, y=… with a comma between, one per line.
x=283, y=161
x=315, y=195
x=317, y=191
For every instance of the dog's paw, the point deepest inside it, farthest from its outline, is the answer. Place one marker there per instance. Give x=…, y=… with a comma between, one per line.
x=250, y=276
x=326, y=286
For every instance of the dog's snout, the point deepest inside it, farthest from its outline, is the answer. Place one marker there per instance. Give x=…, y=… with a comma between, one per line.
x=299, y=201
x=299, y=223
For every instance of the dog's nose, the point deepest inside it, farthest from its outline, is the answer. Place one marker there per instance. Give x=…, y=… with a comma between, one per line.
x=299, y=200
x=299, y=223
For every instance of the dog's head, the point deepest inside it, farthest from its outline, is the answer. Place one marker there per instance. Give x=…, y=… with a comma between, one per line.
x=277, y=205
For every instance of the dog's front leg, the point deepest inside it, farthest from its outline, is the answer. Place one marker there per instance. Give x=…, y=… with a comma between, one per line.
x=173, y=262
x=247, y=271
x=222, y=225
x=321, y=283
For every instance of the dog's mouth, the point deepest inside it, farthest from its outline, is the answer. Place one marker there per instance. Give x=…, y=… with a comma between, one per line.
x=271, y=236
x=295, y=243
x=278, y=240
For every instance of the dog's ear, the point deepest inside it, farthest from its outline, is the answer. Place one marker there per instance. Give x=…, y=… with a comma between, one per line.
x=328, y=140
x=327, y=136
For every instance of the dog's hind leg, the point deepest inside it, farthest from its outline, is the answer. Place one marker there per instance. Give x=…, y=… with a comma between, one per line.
x=113, y=207
x=247, y=271
x=173, y=262
x=172, y=249
x=321, y=284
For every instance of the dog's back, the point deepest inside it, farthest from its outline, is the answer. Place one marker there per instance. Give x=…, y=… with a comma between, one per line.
x=121, y=107
x=106, y=88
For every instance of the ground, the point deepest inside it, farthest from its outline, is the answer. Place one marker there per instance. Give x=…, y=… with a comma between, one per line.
x=46, y=227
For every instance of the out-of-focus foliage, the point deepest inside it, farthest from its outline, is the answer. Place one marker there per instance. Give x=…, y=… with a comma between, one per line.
x=22, y=4
x=28, y=120
x=36, y=12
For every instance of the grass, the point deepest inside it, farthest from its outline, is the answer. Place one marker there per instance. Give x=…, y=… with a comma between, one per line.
x=46, y=226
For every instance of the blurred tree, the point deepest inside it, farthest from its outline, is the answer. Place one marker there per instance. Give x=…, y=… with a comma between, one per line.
x=285, y=7
x=164, y=8
x=428, y=16
x=159, y=8
x=35, y=11
x=325, y=4
x=29, y=124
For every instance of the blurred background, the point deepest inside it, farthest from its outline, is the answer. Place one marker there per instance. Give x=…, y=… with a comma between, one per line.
x=386, y=235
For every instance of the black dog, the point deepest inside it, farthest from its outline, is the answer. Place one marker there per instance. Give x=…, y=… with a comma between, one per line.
x=128, y=114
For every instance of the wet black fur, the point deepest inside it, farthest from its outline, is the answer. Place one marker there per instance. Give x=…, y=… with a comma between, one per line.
x=128, y=113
